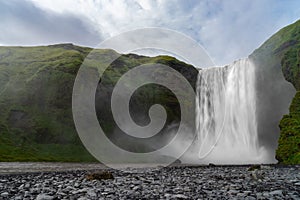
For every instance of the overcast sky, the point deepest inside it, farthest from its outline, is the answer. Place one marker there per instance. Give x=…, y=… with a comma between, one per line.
x=227, y=29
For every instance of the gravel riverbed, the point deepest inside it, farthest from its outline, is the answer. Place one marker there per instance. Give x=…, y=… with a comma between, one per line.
x=177, y=182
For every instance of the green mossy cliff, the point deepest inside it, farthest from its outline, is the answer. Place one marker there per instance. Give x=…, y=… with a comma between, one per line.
x=36, y=86
x=289, y=142
x=281, y=55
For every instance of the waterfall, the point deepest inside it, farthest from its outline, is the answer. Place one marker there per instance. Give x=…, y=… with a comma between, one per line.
x=226, y=125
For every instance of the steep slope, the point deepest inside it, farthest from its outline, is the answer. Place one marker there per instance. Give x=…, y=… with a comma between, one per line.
x=36, y=121
x=36, y=93
x=277, y=57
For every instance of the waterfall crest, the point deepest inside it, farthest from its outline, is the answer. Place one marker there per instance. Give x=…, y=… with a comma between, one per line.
x=226, y=125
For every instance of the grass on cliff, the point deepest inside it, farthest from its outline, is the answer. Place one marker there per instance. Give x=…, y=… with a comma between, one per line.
x=288, y=151
x=36, y=85
x=35, y=104
x=280, y=55
x=288, y=42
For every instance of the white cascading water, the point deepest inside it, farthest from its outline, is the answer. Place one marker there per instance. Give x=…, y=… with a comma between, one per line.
x=225, y=115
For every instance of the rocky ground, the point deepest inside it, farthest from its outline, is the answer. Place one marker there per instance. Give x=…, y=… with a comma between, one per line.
x=177, y=182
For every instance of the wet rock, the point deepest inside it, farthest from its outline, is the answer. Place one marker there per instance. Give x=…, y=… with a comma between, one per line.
x=91, y=193
x=254, y=167
x=26, y=194
x=99, y=175
x=82, y=198
x=18, y=198
x=4, y=194
x=256, y=174
x=233, y=191
x=44, y=197
x=179, y=196
x=276, y=192
x=250, y=198
x=211, y=165
x=297, y=184
x=178, y=182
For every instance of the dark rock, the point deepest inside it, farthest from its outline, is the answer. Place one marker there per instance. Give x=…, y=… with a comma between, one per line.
x=276, y=192
x=44, y=197
x=174, y=182
x=211, y=165
x=99, y=175
x=4, y=194
x=254, y=167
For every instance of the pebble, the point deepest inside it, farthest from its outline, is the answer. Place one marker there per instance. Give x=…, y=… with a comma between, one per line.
x=250, y=198
x=181, y=182
x=18, y=198
x=4, y=194
x=82, y=198
x=276, y=192
x=44, y=197
x=91, y=193
x=298, y=184
x=26, y=194
x=179, y=196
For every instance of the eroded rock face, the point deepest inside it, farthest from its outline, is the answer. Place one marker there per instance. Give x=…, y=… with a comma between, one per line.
x=277, y=72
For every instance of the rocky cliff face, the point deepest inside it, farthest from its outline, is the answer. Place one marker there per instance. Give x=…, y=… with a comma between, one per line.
x=277, y=61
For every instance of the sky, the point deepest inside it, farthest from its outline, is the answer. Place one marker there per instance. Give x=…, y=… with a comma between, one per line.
x=226, y=29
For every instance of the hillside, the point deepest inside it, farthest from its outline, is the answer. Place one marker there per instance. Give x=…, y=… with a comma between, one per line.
x=36, y=121
x=36, y=85
x=281, y=55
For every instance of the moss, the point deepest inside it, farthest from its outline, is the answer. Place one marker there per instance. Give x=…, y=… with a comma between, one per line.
x=284, y=48
x=36, y=86
x=289, y=141
x=279, y=55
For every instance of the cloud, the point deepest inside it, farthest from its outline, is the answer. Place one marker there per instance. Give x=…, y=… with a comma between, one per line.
x=234, y=30
x=228, y=30
x=23, y=23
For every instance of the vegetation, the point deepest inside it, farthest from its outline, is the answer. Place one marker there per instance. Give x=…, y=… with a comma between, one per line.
x=282, y=51
x=36, y=86
x=289, y=142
